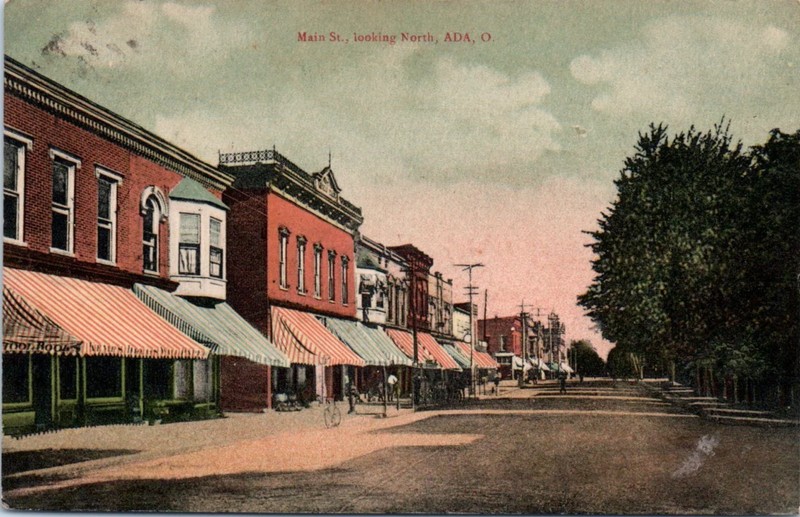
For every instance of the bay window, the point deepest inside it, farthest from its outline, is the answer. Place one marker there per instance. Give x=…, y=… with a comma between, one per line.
x=189, y=245
x=216, y=253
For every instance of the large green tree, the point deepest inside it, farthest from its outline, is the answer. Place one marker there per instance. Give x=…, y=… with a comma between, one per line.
x=697, y=258
x=586, y=358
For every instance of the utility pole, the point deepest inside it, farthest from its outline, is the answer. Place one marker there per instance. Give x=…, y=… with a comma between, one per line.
x=471, y=290
x=523, y=316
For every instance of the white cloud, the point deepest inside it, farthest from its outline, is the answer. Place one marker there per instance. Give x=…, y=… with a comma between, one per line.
x=147, y=35
x=682, y=66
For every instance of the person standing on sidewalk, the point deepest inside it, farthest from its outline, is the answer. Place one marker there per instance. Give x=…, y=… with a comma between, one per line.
x=391, y=381
x=562, y=378
x=497, y=377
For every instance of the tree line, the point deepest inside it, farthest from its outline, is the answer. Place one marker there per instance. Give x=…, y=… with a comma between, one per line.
x=697, y=261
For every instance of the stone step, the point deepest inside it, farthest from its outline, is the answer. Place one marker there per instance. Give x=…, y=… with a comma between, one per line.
x=743, y=420
x=734, y=412
x=708, y=403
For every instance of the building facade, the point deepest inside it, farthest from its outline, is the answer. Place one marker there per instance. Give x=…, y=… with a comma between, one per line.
x=291, y=246
x=88, y=215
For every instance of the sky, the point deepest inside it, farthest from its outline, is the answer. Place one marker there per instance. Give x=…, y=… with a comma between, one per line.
x=501, y=150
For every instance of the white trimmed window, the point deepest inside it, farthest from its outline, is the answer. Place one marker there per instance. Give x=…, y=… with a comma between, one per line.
x=107, y=183
x=331, y=275
x=301, y=264
x=14, y=146
x=216, y=253
x=284, y=245
x=151, y=215
x=63, y=201
x=345, y=275
x=317, y=270
x=189, y=245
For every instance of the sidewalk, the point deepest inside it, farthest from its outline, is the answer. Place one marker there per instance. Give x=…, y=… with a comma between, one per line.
x=72, y=452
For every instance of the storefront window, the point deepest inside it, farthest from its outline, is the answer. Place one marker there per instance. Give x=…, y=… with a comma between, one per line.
x=68, y=378
x=16, y=371
x=158, y=379
x=103, y=377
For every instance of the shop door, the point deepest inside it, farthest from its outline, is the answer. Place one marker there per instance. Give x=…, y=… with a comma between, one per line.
x=42, y=390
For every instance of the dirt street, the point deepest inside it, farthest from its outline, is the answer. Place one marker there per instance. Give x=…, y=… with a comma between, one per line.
x=598, y=449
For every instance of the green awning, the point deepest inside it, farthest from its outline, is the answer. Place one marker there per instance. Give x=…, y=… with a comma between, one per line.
x=370, y=343
x=456, y=354
x=218, y=327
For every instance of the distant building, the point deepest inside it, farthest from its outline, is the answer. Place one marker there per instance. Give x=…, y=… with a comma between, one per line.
x=440, y=304
x=381, y=284
x=419, y=266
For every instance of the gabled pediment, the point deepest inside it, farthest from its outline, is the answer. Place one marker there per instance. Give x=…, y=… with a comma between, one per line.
x=325, y=182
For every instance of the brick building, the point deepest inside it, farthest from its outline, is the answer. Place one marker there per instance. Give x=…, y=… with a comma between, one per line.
x=114, y=271
x=291, y=260
x=86, y=217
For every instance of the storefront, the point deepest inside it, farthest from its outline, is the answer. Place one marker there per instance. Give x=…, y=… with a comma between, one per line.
x=318, y=358
x=83, y=353
x=246, y=357
x=382, y=358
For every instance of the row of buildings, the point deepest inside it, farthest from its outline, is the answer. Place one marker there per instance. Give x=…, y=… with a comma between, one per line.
x=142, y=282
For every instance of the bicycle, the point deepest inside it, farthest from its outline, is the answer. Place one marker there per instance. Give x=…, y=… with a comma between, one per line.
x=332, y=414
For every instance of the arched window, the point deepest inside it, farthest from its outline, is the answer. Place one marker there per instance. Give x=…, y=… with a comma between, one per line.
x=153, y=210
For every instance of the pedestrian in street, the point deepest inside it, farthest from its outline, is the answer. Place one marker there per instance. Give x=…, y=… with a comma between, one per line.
x=562, y=378
x=391, y=381
x=497, y=377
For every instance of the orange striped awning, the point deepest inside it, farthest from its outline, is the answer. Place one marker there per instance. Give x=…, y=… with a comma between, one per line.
x=405, y=342
x=439, y=354
x=27, y=330
x=480, y=359
x=109, y=320
x=305, y=340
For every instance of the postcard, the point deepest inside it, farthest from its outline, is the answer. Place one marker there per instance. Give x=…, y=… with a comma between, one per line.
x=356, y=257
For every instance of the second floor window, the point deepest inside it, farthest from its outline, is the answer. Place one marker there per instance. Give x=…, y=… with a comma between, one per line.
x=216, y=254
x=284, y=244
x=301, y=264
x=150, y=218
x=317, y=270
x=332, y=275
x=13, y=188
x=106, y=218
x=63, y=205
x=345, y=284
x=189, y=245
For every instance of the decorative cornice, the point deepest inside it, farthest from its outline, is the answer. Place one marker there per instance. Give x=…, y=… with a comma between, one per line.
x=36, y=89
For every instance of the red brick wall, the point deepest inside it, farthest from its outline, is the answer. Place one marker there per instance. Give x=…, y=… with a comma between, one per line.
x=49, y=131
x=281, y=212
x=246, y=262
x=244, y=385
x=496, y=327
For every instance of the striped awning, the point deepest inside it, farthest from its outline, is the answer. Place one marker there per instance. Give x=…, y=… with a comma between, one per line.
x=439, y=355
x=481, y=359
x=218, y=327
x=109, y=320
x=370, y=343
x=463, y=361
x=405, y=342
x=25, y=329
x=305, y=340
